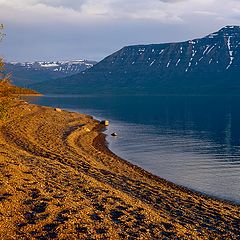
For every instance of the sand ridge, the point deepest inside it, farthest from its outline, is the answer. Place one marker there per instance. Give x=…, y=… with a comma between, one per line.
x=59, y=181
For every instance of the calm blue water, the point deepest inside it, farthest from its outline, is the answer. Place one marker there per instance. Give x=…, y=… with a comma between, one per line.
x=192, y=141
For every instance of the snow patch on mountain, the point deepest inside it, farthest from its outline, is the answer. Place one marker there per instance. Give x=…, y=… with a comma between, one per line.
x=66, y=67
x=230, y=52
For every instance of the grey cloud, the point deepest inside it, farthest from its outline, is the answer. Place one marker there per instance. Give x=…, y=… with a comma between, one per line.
x=73, y=4
x=172, y=1
x=57, y=33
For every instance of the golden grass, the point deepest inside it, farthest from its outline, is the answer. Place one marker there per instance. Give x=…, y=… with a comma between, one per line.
x=7, y=88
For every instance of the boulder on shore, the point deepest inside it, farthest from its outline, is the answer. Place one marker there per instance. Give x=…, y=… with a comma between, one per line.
x=57, y=109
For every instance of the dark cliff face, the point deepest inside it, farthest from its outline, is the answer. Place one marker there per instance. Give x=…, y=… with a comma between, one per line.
x=210, y=65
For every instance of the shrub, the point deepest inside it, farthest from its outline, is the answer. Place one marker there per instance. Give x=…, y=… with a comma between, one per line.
x=6, y=99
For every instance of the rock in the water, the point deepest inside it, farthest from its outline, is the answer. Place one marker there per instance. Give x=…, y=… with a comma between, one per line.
x=105, y=122
x=58, y=109
x=114, y=134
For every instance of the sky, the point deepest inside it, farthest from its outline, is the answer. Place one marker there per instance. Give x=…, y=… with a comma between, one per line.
x=92, y=29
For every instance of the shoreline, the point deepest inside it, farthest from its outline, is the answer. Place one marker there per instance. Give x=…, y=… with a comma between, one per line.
x=60, y=180
x=29, y=95
x=103, y=143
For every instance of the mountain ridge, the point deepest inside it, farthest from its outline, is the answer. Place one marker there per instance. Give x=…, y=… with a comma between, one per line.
x=26, y=73
x=208, y=65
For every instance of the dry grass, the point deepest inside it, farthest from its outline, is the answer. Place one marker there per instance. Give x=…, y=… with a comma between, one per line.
x=8, y=93
x=7, y=88
x=58, y=181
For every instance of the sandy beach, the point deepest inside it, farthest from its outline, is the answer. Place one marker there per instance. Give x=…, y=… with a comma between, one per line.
x=59, y=181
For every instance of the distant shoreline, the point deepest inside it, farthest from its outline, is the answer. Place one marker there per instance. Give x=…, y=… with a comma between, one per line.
x=29, y=95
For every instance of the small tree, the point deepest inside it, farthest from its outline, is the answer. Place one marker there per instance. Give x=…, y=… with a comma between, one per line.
x=3, y=77
x=1, y=60
x=5, y=94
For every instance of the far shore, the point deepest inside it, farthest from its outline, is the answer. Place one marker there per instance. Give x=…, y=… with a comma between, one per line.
x=60, y=181
x=29, y=95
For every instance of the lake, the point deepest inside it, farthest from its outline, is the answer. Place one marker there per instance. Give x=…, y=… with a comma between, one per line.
x=192, y=141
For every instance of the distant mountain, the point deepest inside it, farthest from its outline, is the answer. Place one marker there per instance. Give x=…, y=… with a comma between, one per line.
x=24, y=74
x=209, y=65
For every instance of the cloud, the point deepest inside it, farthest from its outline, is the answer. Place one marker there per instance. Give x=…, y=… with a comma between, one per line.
x=73, y=4
x=172, y=1
x=171, y=11
x=90, y=9
x=95, y=28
